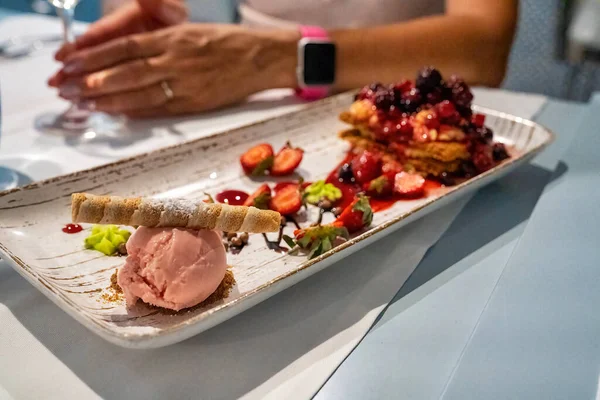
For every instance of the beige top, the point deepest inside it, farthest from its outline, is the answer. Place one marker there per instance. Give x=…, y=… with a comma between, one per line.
x=335, y=13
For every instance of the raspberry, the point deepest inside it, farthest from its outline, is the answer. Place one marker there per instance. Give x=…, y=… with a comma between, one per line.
x=432, y=121
x=482, y=158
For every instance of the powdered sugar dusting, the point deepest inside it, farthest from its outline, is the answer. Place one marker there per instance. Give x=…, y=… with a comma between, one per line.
x=179, y=206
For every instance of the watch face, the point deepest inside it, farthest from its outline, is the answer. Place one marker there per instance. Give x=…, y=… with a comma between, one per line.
x=319, y=63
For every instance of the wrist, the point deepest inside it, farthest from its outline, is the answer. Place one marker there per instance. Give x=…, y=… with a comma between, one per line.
x=279, y=57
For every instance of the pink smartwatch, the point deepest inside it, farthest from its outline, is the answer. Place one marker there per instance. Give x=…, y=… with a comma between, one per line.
x=316, y=63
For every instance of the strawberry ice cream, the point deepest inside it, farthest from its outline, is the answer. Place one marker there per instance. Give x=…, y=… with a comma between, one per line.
x=171, y=267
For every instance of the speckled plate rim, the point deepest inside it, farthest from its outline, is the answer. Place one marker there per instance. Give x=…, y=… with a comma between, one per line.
x=218, y=314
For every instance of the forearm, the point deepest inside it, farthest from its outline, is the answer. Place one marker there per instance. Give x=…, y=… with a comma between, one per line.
x=453, y=44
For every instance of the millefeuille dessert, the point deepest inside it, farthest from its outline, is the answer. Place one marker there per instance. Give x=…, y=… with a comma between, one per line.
x=175, y=257
x=427, y=126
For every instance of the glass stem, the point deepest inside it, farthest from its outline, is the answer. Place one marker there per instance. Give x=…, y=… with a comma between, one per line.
x=67, y=15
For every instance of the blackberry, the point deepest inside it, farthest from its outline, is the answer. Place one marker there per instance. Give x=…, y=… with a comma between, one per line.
x=411, y=100
x=499, y=152
x=467, y=169
x=435, y=96
x=446, y=179
x=384, y=99
x=428, y=79
x=461, y=94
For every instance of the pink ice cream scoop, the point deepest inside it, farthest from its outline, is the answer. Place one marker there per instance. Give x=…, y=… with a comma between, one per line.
x=172, y=267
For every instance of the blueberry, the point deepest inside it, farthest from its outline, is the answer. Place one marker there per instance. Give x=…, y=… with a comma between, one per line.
x=467, y=169
x=435, y=96
x=428, y=79
x=485, y=134
x=384, y=99
x=461, y=93
x=446, y=179
x=499, y=152
x=411, y=100
x=345, y=173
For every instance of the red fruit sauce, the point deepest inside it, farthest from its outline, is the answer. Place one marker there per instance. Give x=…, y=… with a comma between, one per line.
x=349, y=190
x=232, y=197
x=72, y=228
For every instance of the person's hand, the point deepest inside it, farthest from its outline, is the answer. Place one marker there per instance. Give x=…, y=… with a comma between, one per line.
x=182, y=69
x=134, y=17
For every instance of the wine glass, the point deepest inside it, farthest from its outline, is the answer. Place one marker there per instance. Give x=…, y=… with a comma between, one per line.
x=76, y=122
x=8, y=178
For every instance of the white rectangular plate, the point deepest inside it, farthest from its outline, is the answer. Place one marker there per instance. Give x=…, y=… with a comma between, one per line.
x=31, y=219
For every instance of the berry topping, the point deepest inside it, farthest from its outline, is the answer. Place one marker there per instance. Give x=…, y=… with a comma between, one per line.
x=391, y=166
x=260, y=198
x=484, y=134
x=384, y=99
x=447, y=112
x=288, y=200
x=382, y=186
x=428, y=79
x=366, y=166
x=404, y=129
x=409, y=185
x=482, y=157
x=287, y=160
x=435, y=96
x=411, y=100
x=356, y=216
x=258, y=159
x=345, y=173
x=478, y=120
x=446, y=179
x=432, y=121
x=467, y=169
x=499, y=152
x=461, y=94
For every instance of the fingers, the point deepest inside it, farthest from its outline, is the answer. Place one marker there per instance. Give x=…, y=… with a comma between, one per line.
x=129, y=76
x=139, y=101
x=120, y=23
x=111, y=53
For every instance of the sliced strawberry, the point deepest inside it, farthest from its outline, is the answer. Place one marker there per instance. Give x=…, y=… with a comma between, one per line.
x=366, y=166
x=287, y=201
x=356, y=216
x=287, y=160
x=409, y=185
x=391, y=166
x=260, y=198
x=257, y=160
x=382, y=186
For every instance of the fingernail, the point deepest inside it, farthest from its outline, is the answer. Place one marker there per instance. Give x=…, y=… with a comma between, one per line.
x=73, y=67
x=89, y=105
x=69, y=90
